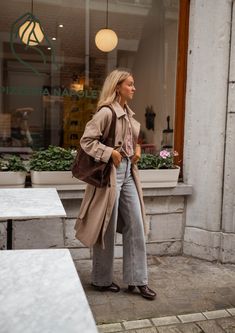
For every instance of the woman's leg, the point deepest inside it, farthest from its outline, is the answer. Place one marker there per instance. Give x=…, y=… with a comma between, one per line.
x=134, y=249
x=102, y=272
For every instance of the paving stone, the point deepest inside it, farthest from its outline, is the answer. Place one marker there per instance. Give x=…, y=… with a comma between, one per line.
x=191, y=317
x=230, y=330
x=191, y=328
x=181, y=328
x=168, y=329
x=183, y=284
x=146, y=330
x=216, y=314
x=165, y=320
x=108, y=328
x=228, y=324
x=137, y=324
x=231, y=311
x=210, y=326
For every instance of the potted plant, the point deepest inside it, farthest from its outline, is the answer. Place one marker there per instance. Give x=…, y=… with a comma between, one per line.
x=159, y=170
x=12, y=172
x=51, y=167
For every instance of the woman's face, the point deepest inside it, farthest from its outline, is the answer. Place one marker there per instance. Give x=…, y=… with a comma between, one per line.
x=126, y=89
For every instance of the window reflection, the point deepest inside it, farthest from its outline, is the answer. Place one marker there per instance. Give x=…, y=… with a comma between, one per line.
x=54, y=106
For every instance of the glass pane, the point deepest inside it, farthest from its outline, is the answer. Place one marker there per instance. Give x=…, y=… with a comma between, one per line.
x=52, y=71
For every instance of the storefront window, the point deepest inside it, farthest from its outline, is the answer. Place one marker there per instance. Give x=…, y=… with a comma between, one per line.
x=51, y=70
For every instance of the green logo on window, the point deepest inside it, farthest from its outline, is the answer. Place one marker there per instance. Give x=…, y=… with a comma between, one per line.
x=29, y=30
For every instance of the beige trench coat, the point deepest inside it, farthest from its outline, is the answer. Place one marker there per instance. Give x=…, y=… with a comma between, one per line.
x=97, y=205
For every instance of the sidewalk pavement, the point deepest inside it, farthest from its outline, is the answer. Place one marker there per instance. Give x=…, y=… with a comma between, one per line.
x=193, y=296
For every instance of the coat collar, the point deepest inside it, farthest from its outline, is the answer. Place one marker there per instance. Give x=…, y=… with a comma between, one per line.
x=119, y=110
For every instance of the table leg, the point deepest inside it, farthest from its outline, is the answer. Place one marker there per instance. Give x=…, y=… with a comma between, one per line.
x=9, y=234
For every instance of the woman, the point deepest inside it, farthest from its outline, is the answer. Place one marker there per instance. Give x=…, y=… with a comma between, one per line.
x=118, y=206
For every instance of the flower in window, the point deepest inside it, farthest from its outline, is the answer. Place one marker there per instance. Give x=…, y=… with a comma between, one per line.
x=163, y=160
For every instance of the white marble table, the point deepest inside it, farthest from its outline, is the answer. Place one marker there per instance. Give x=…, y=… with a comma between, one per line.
x=28, y=203
x=40, y=292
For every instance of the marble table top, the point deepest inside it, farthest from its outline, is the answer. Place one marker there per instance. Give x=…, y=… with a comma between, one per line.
x=40, y=292
x=29, y=203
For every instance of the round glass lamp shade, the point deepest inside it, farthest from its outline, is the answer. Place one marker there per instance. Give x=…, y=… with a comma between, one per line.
x=31, y=33
x=106, y=40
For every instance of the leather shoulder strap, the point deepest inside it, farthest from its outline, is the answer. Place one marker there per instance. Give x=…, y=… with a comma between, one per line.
x=110, y=140
x=112, y=126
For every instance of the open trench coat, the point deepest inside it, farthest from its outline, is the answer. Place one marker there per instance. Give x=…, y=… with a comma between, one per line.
x=97, y=204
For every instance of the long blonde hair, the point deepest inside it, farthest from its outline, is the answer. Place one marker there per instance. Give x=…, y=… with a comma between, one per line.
x=108, y=93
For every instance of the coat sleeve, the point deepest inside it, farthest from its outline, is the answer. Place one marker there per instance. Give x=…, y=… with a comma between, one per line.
x=94, y=130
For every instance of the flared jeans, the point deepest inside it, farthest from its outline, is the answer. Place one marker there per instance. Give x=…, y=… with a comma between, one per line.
x=134, y=250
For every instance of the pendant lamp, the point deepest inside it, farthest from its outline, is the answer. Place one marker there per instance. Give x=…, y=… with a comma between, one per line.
x=106, y=39
x=31, y=32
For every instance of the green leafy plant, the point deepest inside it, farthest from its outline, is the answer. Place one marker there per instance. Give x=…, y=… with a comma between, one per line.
x=163, y=160
x=52, y=159
x=147, y=161
x=12, y=163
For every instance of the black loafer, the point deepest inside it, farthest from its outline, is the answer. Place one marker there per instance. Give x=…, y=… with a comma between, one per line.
x=145, y=291
x=113, y=287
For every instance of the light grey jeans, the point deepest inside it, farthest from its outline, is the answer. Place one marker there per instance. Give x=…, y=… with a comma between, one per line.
x=134, y=252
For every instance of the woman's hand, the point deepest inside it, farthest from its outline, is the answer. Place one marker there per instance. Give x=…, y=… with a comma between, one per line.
x=137, y=155
x=116, y=157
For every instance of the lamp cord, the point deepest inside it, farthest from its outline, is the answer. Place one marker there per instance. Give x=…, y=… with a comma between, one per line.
x=107, y=16
x=32, y=6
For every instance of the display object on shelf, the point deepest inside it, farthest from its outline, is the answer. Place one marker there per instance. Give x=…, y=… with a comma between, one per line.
x=77, y=112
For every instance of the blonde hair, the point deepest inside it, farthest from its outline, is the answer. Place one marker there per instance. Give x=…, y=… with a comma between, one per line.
x=108, y=93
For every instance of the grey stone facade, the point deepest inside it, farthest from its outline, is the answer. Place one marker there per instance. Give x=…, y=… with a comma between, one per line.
x=209, y=158
x=165, y=209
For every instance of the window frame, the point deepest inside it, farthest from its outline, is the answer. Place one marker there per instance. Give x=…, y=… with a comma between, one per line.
x=181, y=80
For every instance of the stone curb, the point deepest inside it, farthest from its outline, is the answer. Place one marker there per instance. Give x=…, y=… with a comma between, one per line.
x=164, y=321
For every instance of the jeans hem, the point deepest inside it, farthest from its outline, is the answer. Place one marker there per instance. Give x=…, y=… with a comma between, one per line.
x=105, y=284
x=142, y=283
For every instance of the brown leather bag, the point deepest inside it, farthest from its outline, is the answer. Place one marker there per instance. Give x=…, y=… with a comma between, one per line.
x=87, y=169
